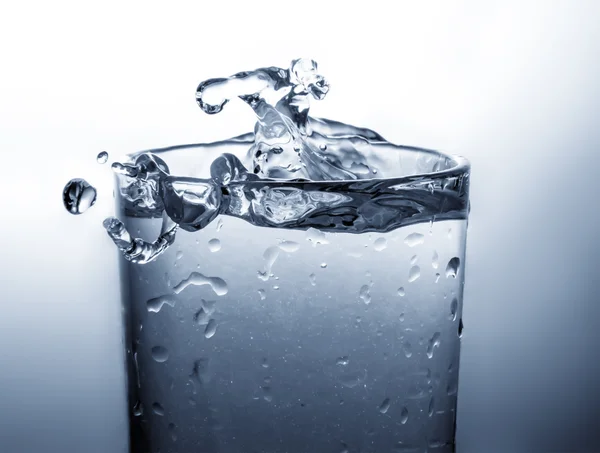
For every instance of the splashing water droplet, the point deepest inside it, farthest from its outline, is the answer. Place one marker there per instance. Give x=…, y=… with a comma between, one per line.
x=343, y=361
x=214, y=245
x=384, y=406
x=160, y=354
x=262, y=294
x=156, y=304
x=433, y=343
x=78, y=196
x=404, y=415
x=289, y=246
x=453, y=308
x=316, y=237
x=407, y=348
x=414, y=239
x=313, y=279
x=453, y=267
x=365, y=294
x=380, y=244
x=102, y=157
x=435, y=260
x=217, y=284
x=401, y=291
x=158, y=409
x=414, y=273
x=211, y=329
x=323, y=265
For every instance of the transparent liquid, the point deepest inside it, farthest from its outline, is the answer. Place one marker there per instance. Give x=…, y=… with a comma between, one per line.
x=290, y=340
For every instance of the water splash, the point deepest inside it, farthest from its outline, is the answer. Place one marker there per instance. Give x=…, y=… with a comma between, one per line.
x=78, y=196
x=102, y=157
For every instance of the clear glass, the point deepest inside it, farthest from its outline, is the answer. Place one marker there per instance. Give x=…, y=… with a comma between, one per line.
x=303, y=340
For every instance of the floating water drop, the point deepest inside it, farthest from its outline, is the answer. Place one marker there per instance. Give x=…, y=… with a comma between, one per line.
x=262, y=294
x=78, y=196
x=401, y=291
x=102, y=157
x=160, y=354
x=214, y=245
x=435, y=260
x=313, y=279
x=453, y=308
x=404, y=415
x=384, y=406
x=343, y=361
x=217, y=284
x=289, y=246
x=414, y=239
x=323, y=265
x=407, y=348
x=431, y=407
x=453, y=267
x=211, y=329
x=316, y=237
x=414, y=273
x=156, y=304
x=364, y=294
x=158, y=409
x=138, y=409
x=433, y=343
x=380, y=244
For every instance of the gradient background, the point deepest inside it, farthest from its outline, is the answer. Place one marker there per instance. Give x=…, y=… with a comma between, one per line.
x=512, y=85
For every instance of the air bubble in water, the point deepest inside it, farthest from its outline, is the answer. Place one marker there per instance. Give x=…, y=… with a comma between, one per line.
x=211, y=329
x=414, y=273
x=158, y=409
x=156, y=304
x=160, y=354
x=380, y=244
x=384, y=406
x=401, y=291
x=404, y=415
x=453, y=267
x=433, y=343
x=313, y=279
x=102, y=157
x=78, y=196
x=435, y=260
x=414, y=239
x=453, y=308
x=214, y=245
x=364, y=294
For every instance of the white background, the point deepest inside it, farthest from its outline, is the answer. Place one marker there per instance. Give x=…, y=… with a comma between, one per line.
x=512, y=85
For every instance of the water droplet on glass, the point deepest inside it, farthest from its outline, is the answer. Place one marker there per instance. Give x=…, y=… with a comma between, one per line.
x=171, y=429
x=380, y=244
x=435, y=260
x=322, y=146
x=313, y=279
x=413, y=260
x=138, y=409
x=156, y=304
x=384, y=406
x=179, y=255
x=261, y=293
x=343, y=361
x=437, y=277
x=158, y=409
x=431, y=407
x=453, y=267
x=219, y=224
x=401, y=317
x=407, y=348
x=433, y=343
x=102, y=157
x=323, y=265
x=414, y=273
x=78, y=196
x=316, y=237
x=401, y=291
x=267, y=395
x=453, y=308
x=218, y=285
x=404, y=415
x=211, y=329
x=265, y=363
x=160, y=354
x=364, y=294
x=460, y=328
x=449, y=233
x=201, y=372
x=276, y=288
x=414, y=239
x=289, y=246
x=214, y=245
